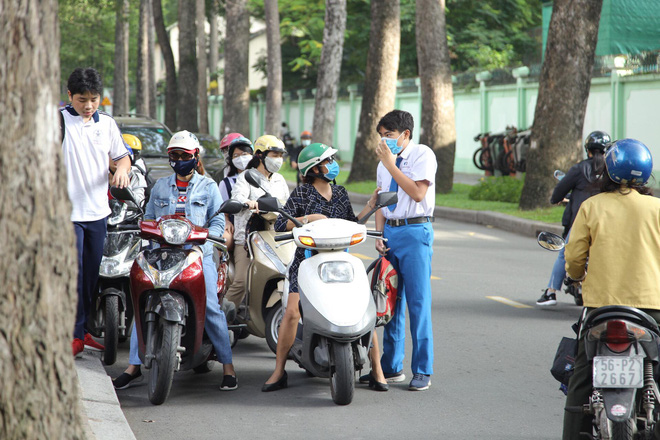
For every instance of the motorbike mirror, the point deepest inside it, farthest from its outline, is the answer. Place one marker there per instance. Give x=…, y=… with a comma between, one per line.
x=254, y=177
x=550, y=241
x=270, y=204
x=387, y=198
x=231, y=206
x=122, y=194
x=559, y=174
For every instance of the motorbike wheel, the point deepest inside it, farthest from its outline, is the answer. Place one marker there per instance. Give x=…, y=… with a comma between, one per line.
x=273, y=320
x=111, y=332
x=165, y=342
x=342, y=373
x=476, y=159
x=623, y=430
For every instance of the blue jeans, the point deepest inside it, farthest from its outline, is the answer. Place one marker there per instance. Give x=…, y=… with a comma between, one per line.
x=90, y=237
x=558, y=269
x=215, y=324
x=411, y=250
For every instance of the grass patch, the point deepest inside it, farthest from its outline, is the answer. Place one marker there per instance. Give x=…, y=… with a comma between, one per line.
x=459, y=198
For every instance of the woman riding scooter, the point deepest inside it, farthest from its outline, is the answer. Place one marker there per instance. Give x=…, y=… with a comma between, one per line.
x=618, y=230
x=316, y=199
x=267, y=159
x=189, y=193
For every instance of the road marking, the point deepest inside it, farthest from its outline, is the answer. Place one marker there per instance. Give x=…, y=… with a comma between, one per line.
x=433, y=277
x=361, y=257
x=509, y=302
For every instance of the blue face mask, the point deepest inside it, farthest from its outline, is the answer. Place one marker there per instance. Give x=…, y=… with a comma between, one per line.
x=183, y=167
x=333, y=171
x=392, y=144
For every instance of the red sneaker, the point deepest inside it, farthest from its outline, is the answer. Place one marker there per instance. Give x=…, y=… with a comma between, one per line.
x=91, y=344
x=77, y=345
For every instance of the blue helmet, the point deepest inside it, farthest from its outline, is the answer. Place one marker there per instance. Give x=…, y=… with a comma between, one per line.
x=629, y=161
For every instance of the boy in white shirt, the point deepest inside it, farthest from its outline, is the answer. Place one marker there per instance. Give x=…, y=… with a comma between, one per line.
x=409, y=169
x=89, y=139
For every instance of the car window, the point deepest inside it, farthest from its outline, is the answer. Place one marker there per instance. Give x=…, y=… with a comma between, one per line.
x=154, y=139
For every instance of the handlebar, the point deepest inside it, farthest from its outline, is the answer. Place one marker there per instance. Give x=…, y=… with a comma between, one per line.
x=125, y=228
x=284, y=237
x=375, y=233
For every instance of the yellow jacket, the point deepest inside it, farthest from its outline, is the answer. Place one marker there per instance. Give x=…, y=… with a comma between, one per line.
x=621, y=236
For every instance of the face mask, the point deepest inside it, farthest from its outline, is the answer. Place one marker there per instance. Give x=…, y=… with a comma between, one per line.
x=333, y=171
x=392, y=144
x=184, y=167
x=241, y=162
x=273, y=164
x=306, y=142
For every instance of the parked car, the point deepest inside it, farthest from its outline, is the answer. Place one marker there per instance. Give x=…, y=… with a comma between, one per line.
x=155, y=136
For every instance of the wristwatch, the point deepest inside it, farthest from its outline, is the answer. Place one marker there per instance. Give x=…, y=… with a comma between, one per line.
x=305, y=220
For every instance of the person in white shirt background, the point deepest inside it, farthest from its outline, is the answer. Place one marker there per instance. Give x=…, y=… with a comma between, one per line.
x=409, y=169
x=89, y=138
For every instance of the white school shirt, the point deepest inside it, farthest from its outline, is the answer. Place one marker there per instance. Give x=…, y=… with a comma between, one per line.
x=86, y=148
x=418, y=163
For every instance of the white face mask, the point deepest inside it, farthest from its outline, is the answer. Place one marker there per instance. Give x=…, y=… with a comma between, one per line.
x=241, y=162
x=273, y=164
x=306, y=142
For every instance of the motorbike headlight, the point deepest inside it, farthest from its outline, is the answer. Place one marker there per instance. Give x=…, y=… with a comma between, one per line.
x=136, y=246
x=175, y=231
x=336, y=272
x=115, y=243
x=268, y=251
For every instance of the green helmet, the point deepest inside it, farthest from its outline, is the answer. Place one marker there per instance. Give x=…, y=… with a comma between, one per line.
x=313, y=155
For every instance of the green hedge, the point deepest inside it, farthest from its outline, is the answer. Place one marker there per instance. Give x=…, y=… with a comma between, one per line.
x=498, y=189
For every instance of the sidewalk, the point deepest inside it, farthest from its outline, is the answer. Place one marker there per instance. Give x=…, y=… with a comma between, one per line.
x=101, y=409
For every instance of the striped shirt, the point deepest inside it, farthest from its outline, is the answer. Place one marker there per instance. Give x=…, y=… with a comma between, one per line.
x=181, y=200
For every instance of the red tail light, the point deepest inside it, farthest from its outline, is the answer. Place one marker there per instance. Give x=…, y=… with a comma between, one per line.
x=616, y=337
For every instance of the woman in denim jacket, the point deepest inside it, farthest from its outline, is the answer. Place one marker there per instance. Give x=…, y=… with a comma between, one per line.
x=189, y=193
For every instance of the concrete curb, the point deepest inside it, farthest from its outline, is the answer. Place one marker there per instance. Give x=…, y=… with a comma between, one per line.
x=101, y=410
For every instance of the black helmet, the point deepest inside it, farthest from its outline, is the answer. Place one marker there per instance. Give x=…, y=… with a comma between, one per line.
x=597, y=140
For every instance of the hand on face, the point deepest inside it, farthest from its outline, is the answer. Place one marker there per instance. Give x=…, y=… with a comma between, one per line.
x=385, y=155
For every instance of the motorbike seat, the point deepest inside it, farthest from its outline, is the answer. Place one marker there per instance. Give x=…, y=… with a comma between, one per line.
x=627, y=313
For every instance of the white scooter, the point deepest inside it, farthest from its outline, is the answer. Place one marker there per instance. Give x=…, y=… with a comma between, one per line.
x=338, y=313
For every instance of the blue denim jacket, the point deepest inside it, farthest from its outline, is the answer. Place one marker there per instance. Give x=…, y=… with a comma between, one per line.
x=203, y=200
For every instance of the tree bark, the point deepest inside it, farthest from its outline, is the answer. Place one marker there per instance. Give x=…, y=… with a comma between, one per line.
x=327, y=83
x=274, y=67
x=120, y=92
x=152, y=62
x=562, y=100
x=188, y=91
x=142, y=82
x=236, y=101
x=214, y=45
x=438, y=127
x=171, y=95
x=39, y=395
x=202, y=67
x=379, y=85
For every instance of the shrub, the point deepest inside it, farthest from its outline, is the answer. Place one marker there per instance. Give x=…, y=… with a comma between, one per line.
x=498, y=189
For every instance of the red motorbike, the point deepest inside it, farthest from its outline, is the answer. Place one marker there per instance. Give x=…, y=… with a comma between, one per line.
x=169, y=297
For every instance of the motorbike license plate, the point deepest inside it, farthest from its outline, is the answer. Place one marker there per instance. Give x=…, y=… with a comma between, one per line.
x=618, y=371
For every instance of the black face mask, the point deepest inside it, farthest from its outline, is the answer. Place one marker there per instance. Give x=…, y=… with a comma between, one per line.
x=183, y=167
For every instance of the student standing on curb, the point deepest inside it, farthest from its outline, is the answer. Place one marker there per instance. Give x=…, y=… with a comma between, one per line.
x=409, y=169
x=89, y=137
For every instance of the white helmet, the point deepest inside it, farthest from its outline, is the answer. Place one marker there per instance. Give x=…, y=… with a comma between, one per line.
x=184, y=140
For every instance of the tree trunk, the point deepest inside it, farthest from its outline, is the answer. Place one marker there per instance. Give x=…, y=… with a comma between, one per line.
x=327, y=82
x=562, y=100
x=152, y=62
x=202, y=67
x=120, y=92
x=437, y=128
x=274, y=89
x=236, y=101
x=39, y=395
x=214, y=45
x=142, y=83
x=171, y=95
x=379, y=85
x=188, y=91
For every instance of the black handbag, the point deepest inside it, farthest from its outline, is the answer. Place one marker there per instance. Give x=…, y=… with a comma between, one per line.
x=564, y=363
